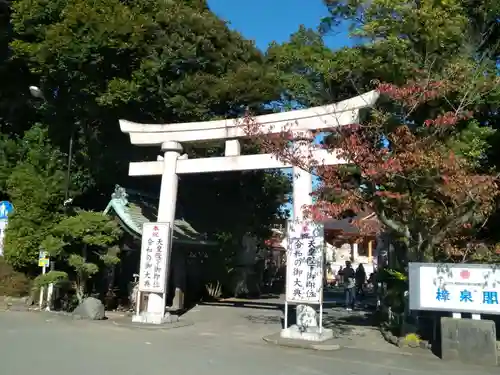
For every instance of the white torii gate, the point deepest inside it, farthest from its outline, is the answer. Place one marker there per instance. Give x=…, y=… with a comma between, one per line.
x=171, y=136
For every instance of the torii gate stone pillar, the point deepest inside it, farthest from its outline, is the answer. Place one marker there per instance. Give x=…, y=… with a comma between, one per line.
x=169, y=182
x=171, y=136
x=155, y=310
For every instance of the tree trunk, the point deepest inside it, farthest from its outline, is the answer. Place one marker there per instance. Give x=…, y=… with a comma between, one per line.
x=80, y=288
x=81, y=280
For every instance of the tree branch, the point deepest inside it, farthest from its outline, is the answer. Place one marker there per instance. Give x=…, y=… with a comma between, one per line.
x=456, y=222
x=397, y=227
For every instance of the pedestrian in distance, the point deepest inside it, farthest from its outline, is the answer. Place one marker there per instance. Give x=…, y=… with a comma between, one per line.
x=360, y=281
x=349, y=277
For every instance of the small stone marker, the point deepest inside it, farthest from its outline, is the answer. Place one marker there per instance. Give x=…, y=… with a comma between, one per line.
x=469, y=341
x=306, y=316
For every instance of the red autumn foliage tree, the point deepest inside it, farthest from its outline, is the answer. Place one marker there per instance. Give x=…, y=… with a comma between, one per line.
x=400, y=164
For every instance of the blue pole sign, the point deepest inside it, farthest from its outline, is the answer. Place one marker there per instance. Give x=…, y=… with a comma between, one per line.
x=5, y=209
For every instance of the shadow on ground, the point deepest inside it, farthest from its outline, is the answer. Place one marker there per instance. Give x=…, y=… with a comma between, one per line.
x=247, y=303
x=335, y=317
x=266, y=304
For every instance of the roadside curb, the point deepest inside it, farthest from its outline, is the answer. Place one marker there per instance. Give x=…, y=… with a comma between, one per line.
x=152, y=327
x=121, y=322
x=276, y=339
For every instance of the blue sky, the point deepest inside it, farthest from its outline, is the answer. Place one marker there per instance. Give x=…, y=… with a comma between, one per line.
x=265, y=21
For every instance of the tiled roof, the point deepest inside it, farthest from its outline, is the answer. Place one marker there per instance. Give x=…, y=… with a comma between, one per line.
x=134, y=208
x=346, y=225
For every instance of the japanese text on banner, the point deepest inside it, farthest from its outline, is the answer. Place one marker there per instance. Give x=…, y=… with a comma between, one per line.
x=304, y=281
x=154, y=252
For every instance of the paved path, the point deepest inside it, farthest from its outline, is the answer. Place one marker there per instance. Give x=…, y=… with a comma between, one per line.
x=255, y=319
x=224, y=341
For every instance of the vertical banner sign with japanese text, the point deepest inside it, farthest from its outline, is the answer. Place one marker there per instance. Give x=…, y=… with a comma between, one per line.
x=154, y=252
x=304, y=265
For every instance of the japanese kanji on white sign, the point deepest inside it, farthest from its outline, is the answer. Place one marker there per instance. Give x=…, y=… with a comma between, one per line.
x=154, y=253
x=461, y=288
x=304, y=271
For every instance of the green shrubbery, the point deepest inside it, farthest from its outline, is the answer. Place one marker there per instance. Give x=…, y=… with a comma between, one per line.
x=13, y=283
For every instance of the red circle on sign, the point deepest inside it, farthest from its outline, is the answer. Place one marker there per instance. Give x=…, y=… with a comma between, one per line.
x=465, y=274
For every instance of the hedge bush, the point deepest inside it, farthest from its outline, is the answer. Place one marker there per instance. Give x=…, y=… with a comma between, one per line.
x=13, y=283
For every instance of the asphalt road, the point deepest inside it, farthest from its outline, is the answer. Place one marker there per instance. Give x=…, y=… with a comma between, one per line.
x=44, y=344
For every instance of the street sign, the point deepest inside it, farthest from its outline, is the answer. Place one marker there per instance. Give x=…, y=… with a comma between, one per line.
x=43, y=259
x=5, y=209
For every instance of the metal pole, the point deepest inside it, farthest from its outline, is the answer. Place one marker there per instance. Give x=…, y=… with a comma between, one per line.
x=40, y=303
x=50, y=291
x=286, y=314
x=322, y=290
x=68, y=170
x=321, y=318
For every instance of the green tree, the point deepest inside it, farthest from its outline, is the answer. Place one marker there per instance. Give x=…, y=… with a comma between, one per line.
x=434, y=200
x=405, y=44
x=87, y=243
x=420, y=29
x=393, y=41
x=32, y=170
x=35, y=182
x=150, y=61
x=406, y=38
x=398, y=40
x=15, y=113
x=312, y=74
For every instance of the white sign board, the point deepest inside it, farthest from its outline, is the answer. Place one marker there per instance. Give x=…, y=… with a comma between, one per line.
x=472, y=288
x=3, y=226
x=304, y=264
x=154, y=257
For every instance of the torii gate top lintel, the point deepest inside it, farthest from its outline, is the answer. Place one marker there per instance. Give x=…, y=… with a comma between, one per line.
x=342, y=113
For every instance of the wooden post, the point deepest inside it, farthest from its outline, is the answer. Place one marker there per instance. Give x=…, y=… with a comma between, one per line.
x=370, y=251
x=355, y=250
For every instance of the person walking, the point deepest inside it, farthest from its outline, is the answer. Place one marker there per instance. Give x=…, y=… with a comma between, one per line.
x=339, y=276
x=360, y=280
x=349, y=277
x=329, y=276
